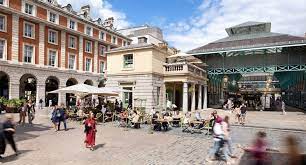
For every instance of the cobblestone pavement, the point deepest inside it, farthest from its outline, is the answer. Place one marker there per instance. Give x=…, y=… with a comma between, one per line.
x=41, y=145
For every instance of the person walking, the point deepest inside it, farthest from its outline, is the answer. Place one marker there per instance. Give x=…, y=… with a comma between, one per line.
x=243, y=110
x=2, y=143
x=283, y=107
x=40, y=103
x=9, y=131
x=23, y=113
x=62, y=118
x=54, y=117
x=227, y=136
x=31, y=112
x=90, y=131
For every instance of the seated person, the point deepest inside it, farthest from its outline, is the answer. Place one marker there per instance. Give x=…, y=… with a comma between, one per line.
x=157, y=126
x=135, y=119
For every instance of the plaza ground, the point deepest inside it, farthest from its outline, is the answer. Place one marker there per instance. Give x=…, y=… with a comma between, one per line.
x=41, y=145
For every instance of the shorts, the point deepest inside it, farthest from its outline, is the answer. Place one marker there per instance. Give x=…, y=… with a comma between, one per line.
x=243, y=115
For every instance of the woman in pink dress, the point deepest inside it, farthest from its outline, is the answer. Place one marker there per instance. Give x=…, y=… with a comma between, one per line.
x=90, y=131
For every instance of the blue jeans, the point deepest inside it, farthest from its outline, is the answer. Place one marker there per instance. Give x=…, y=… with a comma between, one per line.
x=216, y=148
x=65, y=124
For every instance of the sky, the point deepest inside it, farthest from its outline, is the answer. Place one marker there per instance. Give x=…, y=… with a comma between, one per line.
x=188, y=24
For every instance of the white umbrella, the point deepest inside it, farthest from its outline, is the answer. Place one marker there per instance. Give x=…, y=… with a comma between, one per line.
x=116, y=89
x=84, y=89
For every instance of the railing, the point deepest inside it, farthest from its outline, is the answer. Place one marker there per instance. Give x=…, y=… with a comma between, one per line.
x=183, y=68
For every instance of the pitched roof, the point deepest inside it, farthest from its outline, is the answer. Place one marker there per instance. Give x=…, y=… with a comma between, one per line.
x=249, y=37
x=132, y=46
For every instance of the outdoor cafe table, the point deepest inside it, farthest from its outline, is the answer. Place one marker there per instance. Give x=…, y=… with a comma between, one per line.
x=176, y=121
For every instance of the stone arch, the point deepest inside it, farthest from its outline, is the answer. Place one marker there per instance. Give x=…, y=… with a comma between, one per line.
x=52, y=83
x=70, y=97
x=28, y=86
x=4, y=84
x=89, y=82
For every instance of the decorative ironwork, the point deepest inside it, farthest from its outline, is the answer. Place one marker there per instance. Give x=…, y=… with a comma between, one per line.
x=256, y=69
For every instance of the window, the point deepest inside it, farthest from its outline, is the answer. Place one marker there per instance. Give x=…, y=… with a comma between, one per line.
x=2, y=23
x=128, y=61
x=52, y=58
x=124, y=43
x=88, y=47
x=52, y=17
x=29, y=30
x=28, y=53
x=102, y=50
x=102, y=35
x=88, y=65
x=101, y=67
x=2, y=49
x=29, y=8
x=72, y=42
x=142, y=40
x=88, y=30
x=114, y=40
x=52, y=37
x=71, y=62
x=72, y=25
x=50, y=1
x=2, y=2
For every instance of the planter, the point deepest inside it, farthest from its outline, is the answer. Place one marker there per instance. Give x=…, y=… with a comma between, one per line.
x=11, y=110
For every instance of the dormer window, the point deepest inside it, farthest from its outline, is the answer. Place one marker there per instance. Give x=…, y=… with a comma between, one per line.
x=50, y=1
x=142, y=40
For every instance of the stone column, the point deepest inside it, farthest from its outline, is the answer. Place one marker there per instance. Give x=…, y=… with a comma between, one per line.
x=40, y=92
x=62, y=97
x=193, y=97
x=173, y=94
x=15, y=40
x=164, y=90
x=13, y=90
x=205, y=97
x=200, y=97
x=185, y=97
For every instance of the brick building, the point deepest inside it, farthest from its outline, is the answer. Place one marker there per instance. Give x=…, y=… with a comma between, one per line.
x=45, y=46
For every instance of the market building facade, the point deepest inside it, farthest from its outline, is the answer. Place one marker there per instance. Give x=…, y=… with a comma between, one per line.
x=45, y=46
x=257, y=65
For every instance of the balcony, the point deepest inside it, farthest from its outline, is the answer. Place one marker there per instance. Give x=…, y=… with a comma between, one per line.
x=183, y=68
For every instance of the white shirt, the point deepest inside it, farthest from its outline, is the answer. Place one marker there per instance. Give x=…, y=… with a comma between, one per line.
x=218, y=132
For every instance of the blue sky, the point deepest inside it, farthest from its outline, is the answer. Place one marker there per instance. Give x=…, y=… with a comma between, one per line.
x=188, y=24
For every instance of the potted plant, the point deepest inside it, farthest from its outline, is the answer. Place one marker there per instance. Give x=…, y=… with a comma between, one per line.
x=12, y=105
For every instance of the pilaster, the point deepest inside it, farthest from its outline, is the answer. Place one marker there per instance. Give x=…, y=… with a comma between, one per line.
x=185, y=97
x=15, y=38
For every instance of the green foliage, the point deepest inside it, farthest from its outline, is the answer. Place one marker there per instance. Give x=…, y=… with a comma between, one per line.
x=3, y=100
x=14, y=102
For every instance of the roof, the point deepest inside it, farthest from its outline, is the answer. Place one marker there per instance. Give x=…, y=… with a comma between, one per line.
x=249, y=35
x=132, y=46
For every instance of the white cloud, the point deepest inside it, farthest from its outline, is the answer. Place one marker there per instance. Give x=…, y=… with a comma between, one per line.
x=100, y=9
x=214, y=16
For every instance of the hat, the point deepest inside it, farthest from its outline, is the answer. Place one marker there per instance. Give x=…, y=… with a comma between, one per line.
x=218, y=119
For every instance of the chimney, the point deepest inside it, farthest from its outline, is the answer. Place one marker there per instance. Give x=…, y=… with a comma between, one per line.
x=85, y=8
x=109, y=22
x=163, y=45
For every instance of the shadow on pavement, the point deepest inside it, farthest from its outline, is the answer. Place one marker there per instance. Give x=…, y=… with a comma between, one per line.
x=23, y=132
x=99, y=146
x=14, y=157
